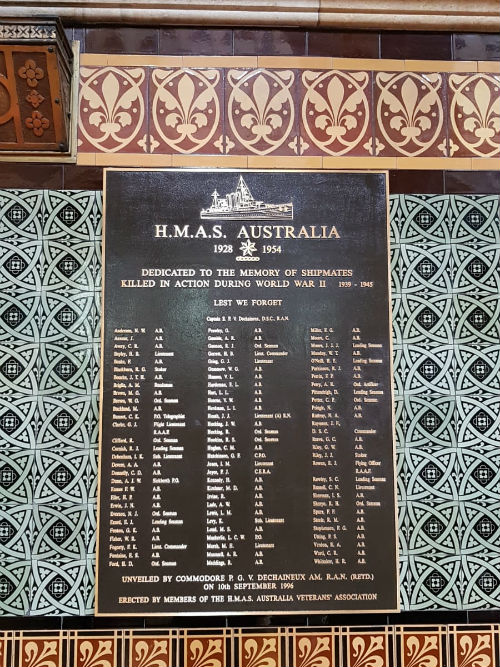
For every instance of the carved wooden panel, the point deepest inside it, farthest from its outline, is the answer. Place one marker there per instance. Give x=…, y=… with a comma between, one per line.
x=35, y=84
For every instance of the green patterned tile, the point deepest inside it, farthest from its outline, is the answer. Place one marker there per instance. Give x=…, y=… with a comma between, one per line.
x=21, y=214
x=63, y=477
x=474, y=218
x=20, y=265
x=58, y=587
x=67, y=368
x=15, y=587
x=20, y=317
x=16, y=476
x=18, y=422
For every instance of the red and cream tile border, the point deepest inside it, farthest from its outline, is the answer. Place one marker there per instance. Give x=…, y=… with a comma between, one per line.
x=303, y=113
x=397, y=646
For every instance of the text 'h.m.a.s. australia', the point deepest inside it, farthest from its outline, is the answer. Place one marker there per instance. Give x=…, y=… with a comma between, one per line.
x=240, y=205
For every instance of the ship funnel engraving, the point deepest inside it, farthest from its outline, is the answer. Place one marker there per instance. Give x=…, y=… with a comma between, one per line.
x=241, y=205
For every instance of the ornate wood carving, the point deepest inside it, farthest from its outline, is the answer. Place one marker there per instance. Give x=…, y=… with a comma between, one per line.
x=36, y=64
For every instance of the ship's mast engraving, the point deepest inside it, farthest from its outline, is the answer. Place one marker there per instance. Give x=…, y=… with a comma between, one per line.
x=241, y=205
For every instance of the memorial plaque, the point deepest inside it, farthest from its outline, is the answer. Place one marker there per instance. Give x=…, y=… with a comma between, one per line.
x=246, y=458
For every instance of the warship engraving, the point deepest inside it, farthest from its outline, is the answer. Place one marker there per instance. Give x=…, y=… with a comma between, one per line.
x=241, y=205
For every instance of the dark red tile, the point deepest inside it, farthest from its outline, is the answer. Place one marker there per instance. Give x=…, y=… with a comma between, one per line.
x=472, y=182
x=344, y=44
x=25, y=175
x=179, y=127
x=82, y=178
x=410, y=120
x=408, y=182
x=269, y=42
x=484, y=46
x=122, y=40
x=196, y=41
x=336, y=113
x=415, y=45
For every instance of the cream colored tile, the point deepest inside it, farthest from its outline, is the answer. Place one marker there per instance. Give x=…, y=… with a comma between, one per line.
x=284, y=162
x=433, y=163
x=333, y=162
x=486, y=163
x=492, y=66
x=122, y=159
x=124, y=60
x=85, y=159
x=440, y=66
x=295, y=63
x=385, y=65
x=93, y=60
x=219, y=61
x=209, y=161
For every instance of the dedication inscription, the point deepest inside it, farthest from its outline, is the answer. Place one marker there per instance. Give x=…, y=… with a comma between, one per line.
x=246, y=461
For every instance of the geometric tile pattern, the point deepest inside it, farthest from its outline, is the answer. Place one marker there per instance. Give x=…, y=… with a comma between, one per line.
x=446, y=324
x=49, y=346
x=342, y=646
x=445, y=282
x=251, y=110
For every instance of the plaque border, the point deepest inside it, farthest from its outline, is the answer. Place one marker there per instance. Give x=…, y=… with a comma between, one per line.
x=270, y=612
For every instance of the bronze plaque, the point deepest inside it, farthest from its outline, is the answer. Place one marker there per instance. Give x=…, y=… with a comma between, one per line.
x=246, y=461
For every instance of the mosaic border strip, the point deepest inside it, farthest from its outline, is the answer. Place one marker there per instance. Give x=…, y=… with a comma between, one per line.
x=279, y=112
x=343, y=646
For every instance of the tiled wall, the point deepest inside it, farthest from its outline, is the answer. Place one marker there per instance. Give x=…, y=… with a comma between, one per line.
x=268, y=111
x=446, y=277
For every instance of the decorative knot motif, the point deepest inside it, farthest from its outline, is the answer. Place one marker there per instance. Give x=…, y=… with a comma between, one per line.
x=37, y=123
x=31, y=73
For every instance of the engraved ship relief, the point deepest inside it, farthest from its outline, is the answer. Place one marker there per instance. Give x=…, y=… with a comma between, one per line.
x=241, y=205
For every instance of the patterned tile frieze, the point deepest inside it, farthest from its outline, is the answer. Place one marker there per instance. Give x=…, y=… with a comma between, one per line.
x=159, y=106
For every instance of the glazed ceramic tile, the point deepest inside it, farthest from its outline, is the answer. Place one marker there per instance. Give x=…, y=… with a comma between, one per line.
x=67, y=421
x=410, y=114
x=426, y=269
x=477, y=318
x=434, y=528
x=20, y=264
x=19, y=368
x=21, y=214
x=66, y=318
x=16, y=531
x=430, y=421
x=15, y=586
x=478, y=475
x=476, y=268
x=20, y=316
x=113, y=110
x=57, y=587
x=186, y=111
x=18, y=422
x=477, y=420
x=430, y=475
x=477, y=369
x=474, y=114
x=62, y=477
x=260, y=112
x=474, y=219
x=16, y=476
x=67, y=367
x=434, y=582
x=69, y=266
x=59, y=532
x=336, y=116
x=480, y=579
x=425, y=319
x=423, y=219
x=71, y=217
x=429, y=370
